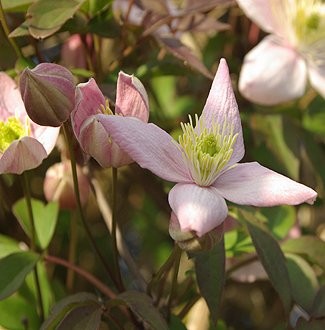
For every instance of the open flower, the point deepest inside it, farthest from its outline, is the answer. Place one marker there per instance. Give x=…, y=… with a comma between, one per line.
x=277, y=69
x=131, y=100
x=204, y=162
x=23, y=144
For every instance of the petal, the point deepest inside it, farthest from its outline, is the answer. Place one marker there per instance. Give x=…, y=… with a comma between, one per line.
x=253, y=184
x=221, y=106
x=199, y=209
x=11, y=103
x=46, y=135
x=131, y=97
x=316, y=70
x=148, y=145
x=272, y=73
x=22, y=155
x=89, y=98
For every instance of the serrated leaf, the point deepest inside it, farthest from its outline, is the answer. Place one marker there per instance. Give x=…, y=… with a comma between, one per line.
x=303, y=281
x=271, y=257
x=13, y=270
x=308, y=246
x=8, y=246
x=79, y=311
x=142, y=305
x=45, y=219
x=210, y=273
x=318, y=308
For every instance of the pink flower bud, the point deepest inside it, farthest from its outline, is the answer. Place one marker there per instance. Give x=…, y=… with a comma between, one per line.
x=58, y=186
x=48, y=93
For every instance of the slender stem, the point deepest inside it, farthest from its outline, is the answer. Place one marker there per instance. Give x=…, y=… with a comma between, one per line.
x=190, y=303
x=7, y=32
x=174, y=278
x=89, y=277
x=28, y=197
x=114, y=226
x=121, y=245
x=72, y=251
x=80, y=213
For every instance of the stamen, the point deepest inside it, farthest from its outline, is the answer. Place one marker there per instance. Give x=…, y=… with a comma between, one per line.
x=10, y=131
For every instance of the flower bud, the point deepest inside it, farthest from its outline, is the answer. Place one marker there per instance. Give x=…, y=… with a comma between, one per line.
x=58, y=186
x=189, y=241
x=48, y=93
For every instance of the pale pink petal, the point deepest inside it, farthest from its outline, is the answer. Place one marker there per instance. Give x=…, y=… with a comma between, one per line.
x=148, y=145
x=316, y=71
x=253, y=184
x=22, y=155
x=73, y=53
x=199, y=209
x=272, y=73
x=88, y=100
x=267, y=14
x=11, y=103
x=46, y=135
x=131, y=97
x=221, y=106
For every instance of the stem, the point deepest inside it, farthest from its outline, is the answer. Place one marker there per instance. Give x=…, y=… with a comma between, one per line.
x=72, y=251
x=89, y=277
x=114, y=226
x=7, y=32
x=121, y=245
x=27, y=194
x=79, y=206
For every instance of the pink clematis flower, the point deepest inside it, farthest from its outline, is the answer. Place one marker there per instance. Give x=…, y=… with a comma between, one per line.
x=204, y=163
x=131, y=100
x=23, y=144
x=278, y=68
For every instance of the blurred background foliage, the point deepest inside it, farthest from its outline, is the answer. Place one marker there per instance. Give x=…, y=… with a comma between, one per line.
x=175, y=58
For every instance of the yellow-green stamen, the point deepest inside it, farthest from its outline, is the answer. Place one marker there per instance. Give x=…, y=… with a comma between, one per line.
x=10, y=131
x=105, y=108
x=206, y=150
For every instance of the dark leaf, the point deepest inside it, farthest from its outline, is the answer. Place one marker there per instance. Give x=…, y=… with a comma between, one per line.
x=318, y=309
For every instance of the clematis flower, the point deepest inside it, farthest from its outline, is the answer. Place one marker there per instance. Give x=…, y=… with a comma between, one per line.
x=278, y=68
x=131, y=100
x=204, y=162
x=23, y=144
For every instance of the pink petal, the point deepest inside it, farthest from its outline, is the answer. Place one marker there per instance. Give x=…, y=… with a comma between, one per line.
x=253, y=184
x=131, y=97
x=199, y=209
x=11, y=103
x=46, y=135
x=221, y=106
x=22, y=155
x=317, y=74
x=272, y=73
x=73, y=53
x=89, y=98
x=148, y=145
x=268, y=14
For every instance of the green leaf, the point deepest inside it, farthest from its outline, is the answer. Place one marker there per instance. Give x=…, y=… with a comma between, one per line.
x=310, y=247
x=210, y=273
x=142, y=306
x=13, y=270
x=271, y=257
x=318, y=308
x=45, y=219
x=8, y=246
x=79, y=311
x=303, y=281
x=44, y=17
x=15, y=5
x=310, y=325
x=237, y=242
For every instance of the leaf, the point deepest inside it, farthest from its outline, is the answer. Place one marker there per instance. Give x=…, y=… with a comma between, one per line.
x=79, y=311
x=45, y=17
x=142, y=306
x=237, y=242
x=210, y=273
x=15, y=5
x=13, y=270
x=308, y=246
x=271, y=257
x=45, y=219
x=318, y=308
x=8, y=246
x=303, y=281
x=310, y=325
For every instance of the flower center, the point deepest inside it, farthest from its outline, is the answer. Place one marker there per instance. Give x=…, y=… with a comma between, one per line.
x=10, y=131
x=105, y=108
x=207, y=150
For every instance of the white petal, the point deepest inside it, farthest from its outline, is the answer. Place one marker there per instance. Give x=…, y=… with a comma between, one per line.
x=272, y=73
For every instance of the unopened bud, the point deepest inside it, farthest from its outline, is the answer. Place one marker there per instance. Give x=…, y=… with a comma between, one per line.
x=189, y=241
x=48, y=93
x=58, y=186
